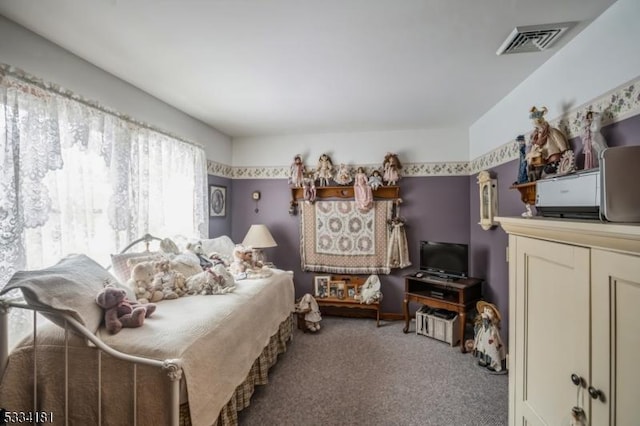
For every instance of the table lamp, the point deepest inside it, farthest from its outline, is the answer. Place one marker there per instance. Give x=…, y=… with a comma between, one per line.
x=258, y=237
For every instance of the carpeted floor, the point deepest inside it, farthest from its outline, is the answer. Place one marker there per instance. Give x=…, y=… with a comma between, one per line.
x=352, y=373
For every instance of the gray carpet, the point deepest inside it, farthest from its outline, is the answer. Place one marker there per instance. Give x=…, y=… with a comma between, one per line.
x=352, y=373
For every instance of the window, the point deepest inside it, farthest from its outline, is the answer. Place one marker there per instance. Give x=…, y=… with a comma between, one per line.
x=78, y=178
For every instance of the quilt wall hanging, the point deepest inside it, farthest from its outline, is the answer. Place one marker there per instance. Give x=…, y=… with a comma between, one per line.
x=336, y=237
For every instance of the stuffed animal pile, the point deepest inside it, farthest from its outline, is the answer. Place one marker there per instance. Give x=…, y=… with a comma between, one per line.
x=192, y=272
x=213, y=280
x=168, y=281
x=121, y=312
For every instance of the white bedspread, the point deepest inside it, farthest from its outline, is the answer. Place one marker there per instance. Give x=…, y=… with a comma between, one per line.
x=217, y=338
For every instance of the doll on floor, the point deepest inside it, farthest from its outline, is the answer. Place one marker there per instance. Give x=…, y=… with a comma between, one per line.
x=488, y=346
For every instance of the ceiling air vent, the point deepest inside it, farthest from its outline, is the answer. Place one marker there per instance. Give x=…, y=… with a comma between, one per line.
x=533, y=38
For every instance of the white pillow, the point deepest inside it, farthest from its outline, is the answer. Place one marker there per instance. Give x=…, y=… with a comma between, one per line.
x=223, y=245
x=70, y=287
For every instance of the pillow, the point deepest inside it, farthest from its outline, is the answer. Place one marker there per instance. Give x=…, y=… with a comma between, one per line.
x=223, y=245
x=70, y=287
x=122, y=267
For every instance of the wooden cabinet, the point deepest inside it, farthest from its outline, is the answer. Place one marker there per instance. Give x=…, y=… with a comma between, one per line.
x=458, y=296
x=574, y=288
x=346, y=304
x=615, y=334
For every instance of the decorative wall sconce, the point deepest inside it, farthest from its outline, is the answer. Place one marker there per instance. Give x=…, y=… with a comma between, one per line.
x=488, y=199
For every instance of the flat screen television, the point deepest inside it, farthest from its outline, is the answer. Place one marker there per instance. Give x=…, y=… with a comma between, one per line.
x=446, y=260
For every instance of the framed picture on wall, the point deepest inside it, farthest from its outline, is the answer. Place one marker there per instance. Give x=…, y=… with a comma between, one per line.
x=217, y=201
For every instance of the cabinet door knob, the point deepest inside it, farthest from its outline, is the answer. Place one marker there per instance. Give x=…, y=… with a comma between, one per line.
x=577, y=380
x=595, y=393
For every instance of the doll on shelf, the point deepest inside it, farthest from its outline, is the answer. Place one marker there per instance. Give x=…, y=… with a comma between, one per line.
x=375, y=180
x=592, y=139
x=391, y=166
x=548, y=144
x=523, y=176
x=296, y=174
x=325, y=170
x=309, y=190
x=362, y=191
x=343, y=176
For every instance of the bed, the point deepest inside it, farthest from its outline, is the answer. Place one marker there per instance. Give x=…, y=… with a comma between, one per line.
x=195, y=361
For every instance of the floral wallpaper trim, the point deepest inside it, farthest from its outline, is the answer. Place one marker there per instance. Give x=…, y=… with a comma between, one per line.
x=460, y=168
x=616, y=105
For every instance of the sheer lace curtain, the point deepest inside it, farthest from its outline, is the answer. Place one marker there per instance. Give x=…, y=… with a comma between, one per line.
x=77, y=178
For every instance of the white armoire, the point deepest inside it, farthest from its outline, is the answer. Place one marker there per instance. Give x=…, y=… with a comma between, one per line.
x=574, y=315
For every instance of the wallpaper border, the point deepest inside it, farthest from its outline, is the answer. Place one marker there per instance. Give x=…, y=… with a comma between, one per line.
x=616, y=105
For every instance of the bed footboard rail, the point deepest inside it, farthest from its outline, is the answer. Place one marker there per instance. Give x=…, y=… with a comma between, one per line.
x=171, y=367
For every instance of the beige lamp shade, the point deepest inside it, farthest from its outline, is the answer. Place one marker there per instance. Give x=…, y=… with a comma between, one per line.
x=259, y=237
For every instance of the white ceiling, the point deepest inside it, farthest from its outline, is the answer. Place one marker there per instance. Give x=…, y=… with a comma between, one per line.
x=265, y=67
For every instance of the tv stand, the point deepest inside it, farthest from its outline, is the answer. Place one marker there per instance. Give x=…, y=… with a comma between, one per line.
x=459, y=296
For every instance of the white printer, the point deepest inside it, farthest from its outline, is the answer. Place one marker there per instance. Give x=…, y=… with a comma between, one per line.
x=609, y=193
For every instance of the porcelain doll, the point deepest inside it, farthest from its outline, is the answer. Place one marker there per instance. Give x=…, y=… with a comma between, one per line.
x=391, y=166
x=325, y=170
x=309, y=191
x=343, y=177
x=546, y=141
x=488, y=346
x=362, y=191
x=592, y=140
x=296, y=175
x=375, y=180
x=522, y=167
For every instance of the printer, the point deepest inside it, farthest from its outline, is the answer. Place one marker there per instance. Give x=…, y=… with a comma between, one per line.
x=609, y=193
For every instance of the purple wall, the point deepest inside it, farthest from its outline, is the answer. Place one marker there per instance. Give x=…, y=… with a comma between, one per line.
x=221, y=225
x=435, y=208
x=488, y=248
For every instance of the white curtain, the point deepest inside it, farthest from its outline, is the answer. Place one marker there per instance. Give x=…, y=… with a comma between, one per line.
x=77, y=178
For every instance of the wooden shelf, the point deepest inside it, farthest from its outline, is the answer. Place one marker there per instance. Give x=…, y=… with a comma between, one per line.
x=385, y=192
x=348, y=306
x=527, y=192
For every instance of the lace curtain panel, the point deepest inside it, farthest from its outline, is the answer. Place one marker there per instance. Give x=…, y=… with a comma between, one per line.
x=75, y=178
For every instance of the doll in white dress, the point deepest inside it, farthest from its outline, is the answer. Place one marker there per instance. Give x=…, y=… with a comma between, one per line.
x=488, y=346
x=343, y=177
x=324, y=170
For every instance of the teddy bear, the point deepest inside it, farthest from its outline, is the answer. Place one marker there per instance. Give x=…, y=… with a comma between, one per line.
x=242, y=260
x=171, y=283
x=196, y=248
x=309, y=308
x=243, y=265
x=142, y=274
x=121, y=312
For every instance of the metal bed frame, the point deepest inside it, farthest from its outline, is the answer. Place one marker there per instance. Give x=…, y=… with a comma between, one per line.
x=171, y=367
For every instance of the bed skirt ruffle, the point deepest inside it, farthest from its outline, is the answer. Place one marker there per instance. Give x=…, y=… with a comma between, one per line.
x=258, y=375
